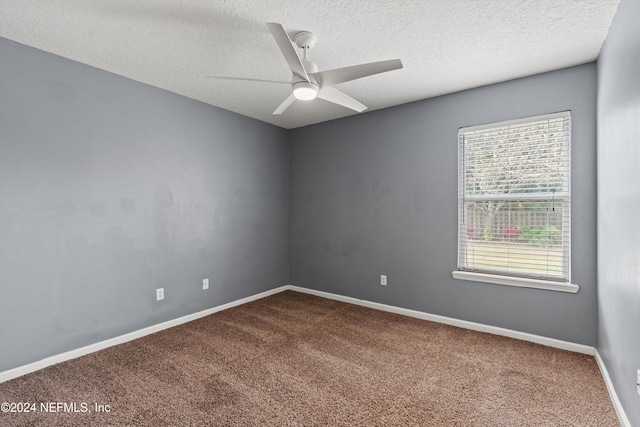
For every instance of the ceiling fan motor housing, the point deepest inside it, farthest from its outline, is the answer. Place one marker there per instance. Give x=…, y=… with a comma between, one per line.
x=302, y=89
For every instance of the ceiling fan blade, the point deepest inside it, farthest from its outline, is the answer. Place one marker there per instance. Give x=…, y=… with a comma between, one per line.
x=287, y=49
x=334, y=95
x=341, y=75
x=285, y=104
x=246, y=79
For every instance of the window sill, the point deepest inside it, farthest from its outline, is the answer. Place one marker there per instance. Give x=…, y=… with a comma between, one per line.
x=516, y=281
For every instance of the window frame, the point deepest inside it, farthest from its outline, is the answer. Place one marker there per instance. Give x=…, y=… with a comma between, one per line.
x=504, y=277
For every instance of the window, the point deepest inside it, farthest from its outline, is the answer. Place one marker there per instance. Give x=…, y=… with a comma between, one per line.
x=514, y=202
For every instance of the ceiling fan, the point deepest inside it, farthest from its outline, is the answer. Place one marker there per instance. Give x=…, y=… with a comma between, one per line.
x=307, y=82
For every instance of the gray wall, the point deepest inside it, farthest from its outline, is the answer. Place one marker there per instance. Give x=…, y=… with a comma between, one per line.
x=110, y=189
x=619, y=205
x=377, y=194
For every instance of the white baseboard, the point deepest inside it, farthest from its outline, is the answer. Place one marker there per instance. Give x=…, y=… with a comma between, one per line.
x=622, y=416
x=73, y=354
x=550, y=342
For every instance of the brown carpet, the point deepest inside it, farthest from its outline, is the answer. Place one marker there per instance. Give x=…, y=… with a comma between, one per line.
x=293, y=359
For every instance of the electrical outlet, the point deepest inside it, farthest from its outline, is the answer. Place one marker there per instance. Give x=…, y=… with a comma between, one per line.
x=205, y=283
x=159, y=294
x=383, y=280
x=638, y=381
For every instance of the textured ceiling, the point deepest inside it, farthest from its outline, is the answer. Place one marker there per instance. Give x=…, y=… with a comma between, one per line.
x=445, y=45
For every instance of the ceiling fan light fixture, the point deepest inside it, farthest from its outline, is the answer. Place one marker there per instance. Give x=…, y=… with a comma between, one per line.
x=305, y=91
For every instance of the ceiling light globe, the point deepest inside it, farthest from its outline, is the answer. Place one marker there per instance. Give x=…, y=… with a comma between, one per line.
x=305, y=91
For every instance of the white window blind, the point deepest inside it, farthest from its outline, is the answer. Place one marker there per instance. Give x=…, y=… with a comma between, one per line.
x=514, y=198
